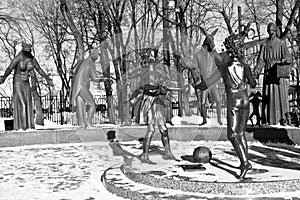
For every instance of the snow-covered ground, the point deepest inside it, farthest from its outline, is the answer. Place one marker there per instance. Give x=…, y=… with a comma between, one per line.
x=63, y=171
x=73, y=171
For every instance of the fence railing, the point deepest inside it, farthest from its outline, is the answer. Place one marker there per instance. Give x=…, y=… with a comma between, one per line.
x=59, y=111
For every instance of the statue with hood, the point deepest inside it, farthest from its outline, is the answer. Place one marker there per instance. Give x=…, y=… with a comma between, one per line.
x=23, y=66
x=275, y=58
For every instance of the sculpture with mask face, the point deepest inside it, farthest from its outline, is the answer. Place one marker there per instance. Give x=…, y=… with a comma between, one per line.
x=273, y=51
x=23, y=65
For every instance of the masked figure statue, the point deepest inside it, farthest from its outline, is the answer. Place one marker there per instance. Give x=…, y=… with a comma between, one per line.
x=23, y=65
x=274, y=55
x=149, y=105
x=235, y=74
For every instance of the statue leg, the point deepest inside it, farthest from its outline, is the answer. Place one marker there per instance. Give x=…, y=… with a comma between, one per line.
x=215, y=94
x=198, y=95
x=258, y=118
x=80, y=111
x=265, y=102
x=89, y=100
x=237, y=117
x=166, y=143
x=204, y=95
x=144, y=157
x=257, y=114
x=250, y=118
x=243, y=123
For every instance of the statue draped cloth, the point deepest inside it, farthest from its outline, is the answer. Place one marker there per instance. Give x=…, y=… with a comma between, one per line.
x=23, y=66
x=275, y=90
x=151, y=99
x=22, y=97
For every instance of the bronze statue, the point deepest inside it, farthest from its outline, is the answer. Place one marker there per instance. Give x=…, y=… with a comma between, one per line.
x=255, y=99
x=81, y=96
x=203, y=65
x=234, y=72
x=23, y=65
x=149, y=106
x=273, y=54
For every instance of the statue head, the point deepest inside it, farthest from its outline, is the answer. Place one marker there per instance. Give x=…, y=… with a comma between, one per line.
x=234, y=45
x=94, y=54
x=148, y=56
x=26, y=47
x=272, y=27
x=209, y=39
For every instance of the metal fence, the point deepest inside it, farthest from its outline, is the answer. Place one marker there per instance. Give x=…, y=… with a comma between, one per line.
x=58, y=110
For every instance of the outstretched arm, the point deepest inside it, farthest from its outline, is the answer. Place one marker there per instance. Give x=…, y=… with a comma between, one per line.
x=93, y=74
x=250, y=76
x=203, y=84
x=74, y=69
x=41, y=71
x=12, y=65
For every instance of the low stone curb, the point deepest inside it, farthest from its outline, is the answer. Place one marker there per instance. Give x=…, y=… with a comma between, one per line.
x=137, y=186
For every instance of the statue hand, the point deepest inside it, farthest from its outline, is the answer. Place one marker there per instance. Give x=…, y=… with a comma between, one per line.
x=163, y=90
x=256, y=74
x=252, y=82
x=284, y=62
x=200, y=85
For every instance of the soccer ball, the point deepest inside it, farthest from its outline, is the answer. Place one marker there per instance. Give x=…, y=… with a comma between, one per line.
x=202, y=155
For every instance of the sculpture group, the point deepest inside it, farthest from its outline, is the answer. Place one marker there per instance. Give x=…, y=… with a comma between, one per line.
x=207, y=68
x=150, y=100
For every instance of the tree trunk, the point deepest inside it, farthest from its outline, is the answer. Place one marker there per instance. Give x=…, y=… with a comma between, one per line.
x=184, y=46
x=298, y=58
x=104, y=60
x=279, y=15
x=77, y=35
x=120, y=65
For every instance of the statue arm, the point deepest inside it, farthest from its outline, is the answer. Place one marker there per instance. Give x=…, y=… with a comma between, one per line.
x=137, y=95
x=249, y=75
x=286, y=55
x=260, y=62
x=9, y=69
x=189, y=63
x=93, y=74
x=136, y=73
x=41, y=71
x=206, y=83
x=74, y=69
x=220, y=59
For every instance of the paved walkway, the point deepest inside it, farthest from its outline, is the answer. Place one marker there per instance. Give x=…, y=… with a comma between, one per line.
x=73, y=171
